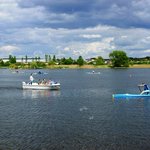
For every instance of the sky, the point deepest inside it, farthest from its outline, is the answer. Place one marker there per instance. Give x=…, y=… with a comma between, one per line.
x=70, y=28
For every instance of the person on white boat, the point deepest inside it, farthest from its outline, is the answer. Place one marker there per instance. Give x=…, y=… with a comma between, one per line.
x=31, y=78
x=39, y=82
x=43, y=81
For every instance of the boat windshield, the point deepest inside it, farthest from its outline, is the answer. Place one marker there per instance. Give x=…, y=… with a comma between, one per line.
x=145, y=92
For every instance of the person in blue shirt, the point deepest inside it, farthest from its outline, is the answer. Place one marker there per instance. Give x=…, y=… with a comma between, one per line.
x=146, y=87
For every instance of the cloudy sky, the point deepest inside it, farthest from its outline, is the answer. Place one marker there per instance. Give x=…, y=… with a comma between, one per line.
x=69, y=28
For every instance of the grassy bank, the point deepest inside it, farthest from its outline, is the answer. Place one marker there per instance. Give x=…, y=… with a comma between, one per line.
x=78, y=67
x=92, y=66
x=75, y=66
x=140, y=66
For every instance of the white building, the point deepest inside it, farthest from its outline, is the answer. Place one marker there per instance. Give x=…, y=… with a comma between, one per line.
x=25, y=60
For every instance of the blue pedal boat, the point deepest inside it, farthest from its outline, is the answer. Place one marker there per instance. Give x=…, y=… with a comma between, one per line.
x=144, y=92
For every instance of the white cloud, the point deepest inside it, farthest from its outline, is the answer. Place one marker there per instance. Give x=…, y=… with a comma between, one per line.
x=36, y=27
x=97, y=48
x=38, y=53
x=66, y=49
x=124, y=36
x=147, y=51
x=70, y=43
x=12, y=16
x=140, y=53
x=8, y=49
x=90, y=36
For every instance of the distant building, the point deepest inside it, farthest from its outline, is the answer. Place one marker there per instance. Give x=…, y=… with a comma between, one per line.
x=93, y=59
x=25, y=59
x=90, y=60
x=107, y=61
x=5, y=59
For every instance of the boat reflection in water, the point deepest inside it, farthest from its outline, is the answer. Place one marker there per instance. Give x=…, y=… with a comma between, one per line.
x=34, y=94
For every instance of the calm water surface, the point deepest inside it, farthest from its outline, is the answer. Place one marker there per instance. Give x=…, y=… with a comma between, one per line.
x=80, y=116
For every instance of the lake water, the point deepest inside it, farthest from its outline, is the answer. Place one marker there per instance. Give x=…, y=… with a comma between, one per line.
x=80, y=116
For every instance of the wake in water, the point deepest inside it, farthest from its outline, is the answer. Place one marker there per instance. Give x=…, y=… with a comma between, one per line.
x=40, y=73
x=93, y=72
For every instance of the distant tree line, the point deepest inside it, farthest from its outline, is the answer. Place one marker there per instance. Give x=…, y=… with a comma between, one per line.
x=144, y=60
x=36, y=62
x=117, y=58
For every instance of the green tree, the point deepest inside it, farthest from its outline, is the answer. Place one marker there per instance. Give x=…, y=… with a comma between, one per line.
x=36, y=58
x=46, y=58
x=13, y=66
x=7, y=63
x=12, y=59
x=119, y=59
x=62, y=60
x=51, y=62
x=22, y=59
x=49, y=58
x=41, y=64
x=26, y=58
x=80, y=61
x=39, y=58
x=99, y=61
x=33, y=65
x=1, y=62
x=70, y=61
x=67, y=61
x=54, y=58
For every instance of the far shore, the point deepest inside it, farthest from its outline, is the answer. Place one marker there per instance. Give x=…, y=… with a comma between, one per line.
x=93, y=67
x=83, y=67
x=140, y=66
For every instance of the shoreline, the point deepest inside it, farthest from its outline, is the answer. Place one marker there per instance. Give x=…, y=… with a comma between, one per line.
x=138, y=66
x=94, y=67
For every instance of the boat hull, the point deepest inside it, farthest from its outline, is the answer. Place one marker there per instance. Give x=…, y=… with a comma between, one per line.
x=130, y=95
x=55, y=86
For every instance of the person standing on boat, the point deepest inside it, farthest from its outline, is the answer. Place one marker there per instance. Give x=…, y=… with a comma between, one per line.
x=146, y=87
x=31, y=78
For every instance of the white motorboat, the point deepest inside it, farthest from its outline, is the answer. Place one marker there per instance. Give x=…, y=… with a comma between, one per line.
x=51, y=85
